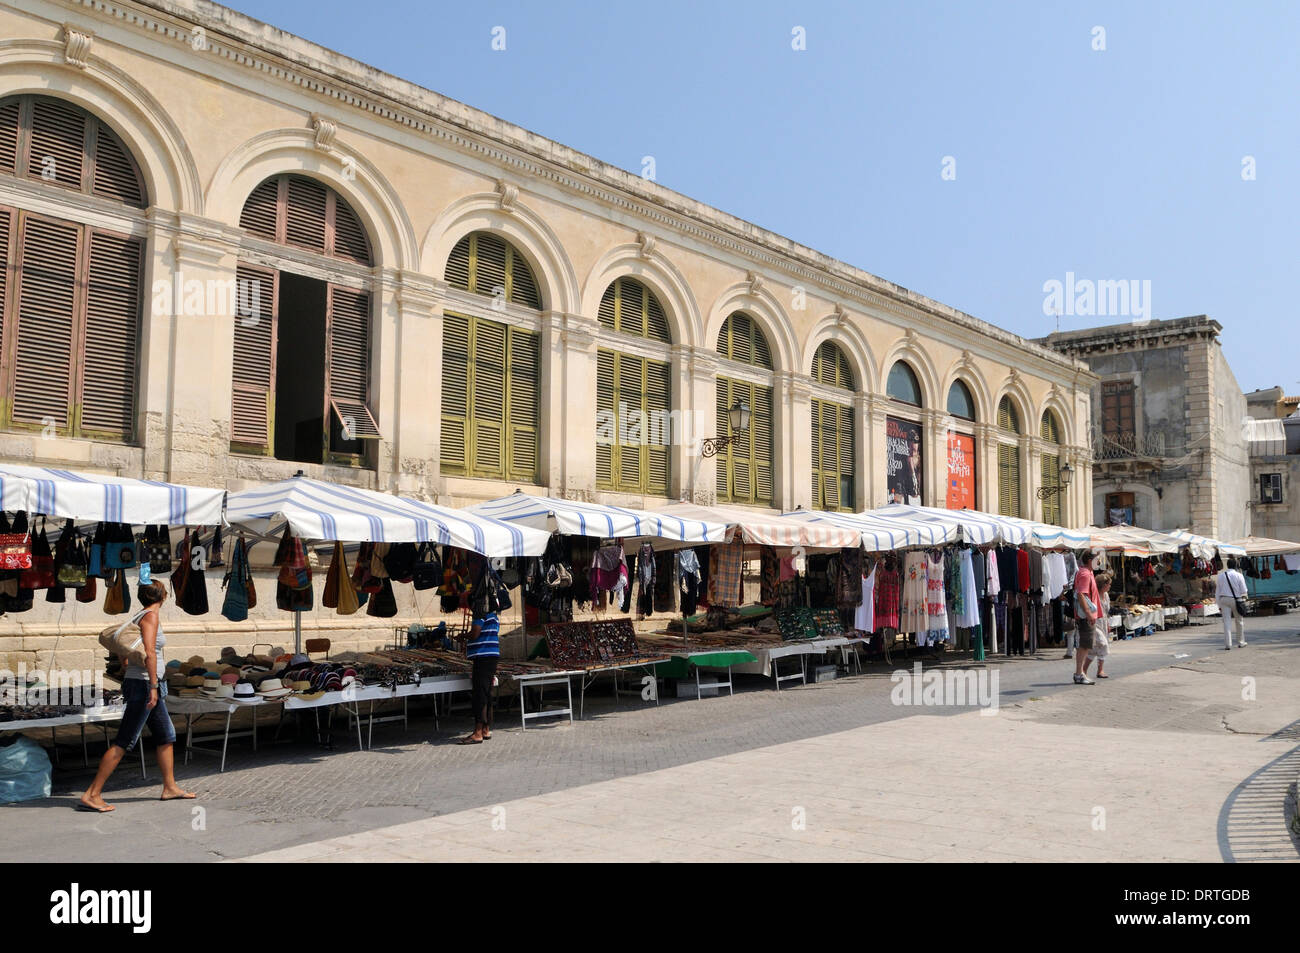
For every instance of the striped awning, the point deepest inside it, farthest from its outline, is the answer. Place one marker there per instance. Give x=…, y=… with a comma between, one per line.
x=768, y=529
x=1206, y=545
x=317, y=510
x=578, y=518
x=882, y=534
x=972, y=526
x=97, y=497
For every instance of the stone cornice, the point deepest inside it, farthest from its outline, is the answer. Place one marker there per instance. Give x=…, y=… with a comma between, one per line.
x=241, y=40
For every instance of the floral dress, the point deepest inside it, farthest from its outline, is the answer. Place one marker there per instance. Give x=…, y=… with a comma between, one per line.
x=915, y=615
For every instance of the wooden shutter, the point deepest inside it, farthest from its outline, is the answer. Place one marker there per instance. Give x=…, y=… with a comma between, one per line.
x=260, y=214
x=1008, y=479
x=658, y=407
x=844, y=465
x=607, y=417
x=762, y=429
x=816, y=450
x=525, y=406
x=522, y=283
x=8, y=232
x=1008, y=419
x=253, y=364
x=348, y=345
x=455, y=394
x=631, y=395
x=47, y=308
x=58, y=143
x=456, y=273
x=656, y=327
x=1051, y=475
x=9, y=113
x=488, y=271
x=631, y=307
x=722, y=462
x=109, y=373
x=830, y=462
x=488, y=390
x=115, y=174
x=305, y=203
x=609, y=307
x=350, y=240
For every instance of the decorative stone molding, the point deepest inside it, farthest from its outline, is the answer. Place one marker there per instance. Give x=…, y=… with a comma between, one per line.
x=76, y=45
x=507, y=194
x=841, y=317
x=755, y=283
x=326, y=130
x=647, y=243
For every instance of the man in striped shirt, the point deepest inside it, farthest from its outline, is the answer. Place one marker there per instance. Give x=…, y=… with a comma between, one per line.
x=483, y=648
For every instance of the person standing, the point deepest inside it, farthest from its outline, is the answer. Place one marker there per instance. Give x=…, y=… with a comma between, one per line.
x=483, y=648
x=1101, y=631
x=1087, y=609
x=145, y=692
x=1229, y=586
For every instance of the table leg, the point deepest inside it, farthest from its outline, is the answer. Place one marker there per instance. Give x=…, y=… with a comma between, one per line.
x=85, y=752
x=730, y=682
x=356, y=711
x=144, y=772
x=523, y=719
x=698, y=694
x=189, y=737
x=254, y=714
x=225, y=742
x=370, y=736
x=568, y=684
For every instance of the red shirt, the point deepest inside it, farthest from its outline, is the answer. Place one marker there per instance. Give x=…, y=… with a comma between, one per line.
x=1085, y=584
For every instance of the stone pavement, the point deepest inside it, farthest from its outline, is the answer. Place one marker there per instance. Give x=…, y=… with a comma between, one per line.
x=1165, y=760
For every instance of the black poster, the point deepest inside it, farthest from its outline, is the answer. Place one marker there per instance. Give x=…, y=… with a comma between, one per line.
x=904, y=473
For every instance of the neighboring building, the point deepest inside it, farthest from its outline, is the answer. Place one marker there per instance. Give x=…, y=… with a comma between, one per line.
x=1168, y=440
x=228, y=254
x=1275, y=464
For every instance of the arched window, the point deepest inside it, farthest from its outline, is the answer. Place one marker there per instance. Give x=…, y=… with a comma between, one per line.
x=491, y=377
x=302, y=353
x=960, y=402
x=903, y=385
x=633, y=395
x=1050, y=432
x=744, y=473
x=1008, y=459
x=485, y=264
x=832, y=431
x=70, y=292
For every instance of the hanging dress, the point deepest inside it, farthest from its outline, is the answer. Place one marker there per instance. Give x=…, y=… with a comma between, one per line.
x=864, y=619
x=969, y=615
x=936, y=602
x=914, y=617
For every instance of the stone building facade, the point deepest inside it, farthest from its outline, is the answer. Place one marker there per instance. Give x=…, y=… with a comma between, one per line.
x=1168, y=434
x=1275, y=464
x=343, y=273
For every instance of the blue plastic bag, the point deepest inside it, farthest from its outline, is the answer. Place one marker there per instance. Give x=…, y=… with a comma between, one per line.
x=24, y=771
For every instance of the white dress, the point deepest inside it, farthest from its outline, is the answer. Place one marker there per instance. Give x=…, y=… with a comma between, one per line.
x=864, y=618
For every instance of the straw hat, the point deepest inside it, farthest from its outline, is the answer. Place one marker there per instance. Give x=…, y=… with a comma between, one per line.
x=273, y=688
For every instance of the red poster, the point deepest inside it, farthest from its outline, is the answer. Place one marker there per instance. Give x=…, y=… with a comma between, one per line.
x=961, y=471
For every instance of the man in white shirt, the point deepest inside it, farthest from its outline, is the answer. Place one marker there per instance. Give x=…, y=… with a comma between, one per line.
x=1228, y=588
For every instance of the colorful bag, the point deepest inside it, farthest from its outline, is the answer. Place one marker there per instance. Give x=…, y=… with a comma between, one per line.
x=119, y=547
x=236, y=583
x=156, y=549
x=15, y=543
x=41, y=575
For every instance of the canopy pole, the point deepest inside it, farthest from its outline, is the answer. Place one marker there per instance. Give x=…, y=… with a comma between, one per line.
x=297, y=633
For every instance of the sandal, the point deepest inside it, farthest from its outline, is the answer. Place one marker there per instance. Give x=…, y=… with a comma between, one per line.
x=470, y=741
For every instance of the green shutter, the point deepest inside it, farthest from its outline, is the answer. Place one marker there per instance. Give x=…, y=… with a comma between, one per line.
x=524, y=435
x=455, y=394
x=762, y=428
x=658, y=438
x=607, y=418
x=636, y=394
x=744, y=468
x=1008, y=479
x=832, y=455
x=1051, y=471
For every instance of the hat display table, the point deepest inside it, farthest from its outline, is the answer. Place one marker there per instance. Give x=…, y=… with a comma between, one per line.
x=351, y=699
x=196, y=708
x=96, y=715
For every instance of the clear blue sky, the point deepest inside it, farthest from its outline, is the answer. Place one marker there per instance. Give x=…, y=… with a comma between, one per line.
x=1117, y=164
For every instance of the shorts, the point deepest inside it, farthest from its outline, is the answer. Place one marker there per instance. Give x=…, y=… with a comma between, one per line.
x=138, y=714
x=1085, y=633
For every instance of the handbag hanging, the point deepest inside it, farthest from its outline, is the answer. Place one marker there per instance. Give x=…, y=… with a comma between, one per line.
x=117, y=598
x=181, y=575
x=41, y=575
x=383, y=605
x=194, y=601
x=216, y=558
x=15, y=545
x=285, y=549
x=72, y=558
x=120, y=547
x=235, y=606
x=157, y=549
x=427, y=572
x=339, y=593
x=87, y=593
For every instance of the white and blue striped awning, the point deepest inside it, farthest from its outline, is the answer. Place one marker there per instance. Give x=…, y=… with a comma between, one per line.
x=1205, y=545
x=317, y=510
x=971, y=526
x=576, y=518
x=883, y=534
x=96, y=497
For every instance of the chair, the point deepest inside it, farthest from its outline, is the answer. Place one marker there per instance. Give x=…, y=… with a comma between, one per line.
x=318, y=645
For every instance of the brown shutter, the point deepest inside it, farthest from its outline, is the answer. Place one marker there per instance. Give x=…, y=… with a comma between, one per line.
x=9, y=111
x=261, y=210
x=350, y=240
x=253, y=365
x=305, y=213
x=349, y=362
x=116, y=176
x=58, y=143
x=47, y=306
x=7, y=231
x=455, y=393
x=110, y=372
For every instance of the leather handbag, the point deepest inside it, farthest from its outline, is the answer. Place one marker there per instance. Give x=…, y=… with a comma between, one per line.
x=181, y=574
x=194, y=599
x=117, y=598
x=125, y=641
x=399, y=561
x=383, y=604
x=96, y=561
x=377, y=567
x=41, y=575
x=15, y=543
x=87, y=593
x=427, y=572
x=285, y=549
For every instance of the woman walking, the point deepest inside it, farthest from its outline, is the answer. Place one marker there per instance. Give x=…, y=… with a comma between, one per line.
x=1101, y=630
x=144, y=690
